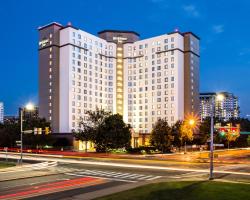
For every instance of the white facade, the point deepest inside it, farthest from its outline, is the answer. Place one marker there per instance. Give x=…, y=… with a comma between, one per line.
x=1, y=112
x=154, y=82
x=86, y=79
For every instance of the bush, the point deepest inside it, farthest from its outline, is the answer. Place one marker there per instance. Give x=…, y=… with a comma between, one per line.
x=142, y=150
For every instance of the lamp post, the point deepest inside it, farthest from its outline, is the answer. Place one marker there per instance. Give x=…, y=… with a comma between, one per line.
x=28, y=107
x=212, y=140
x=219, y=97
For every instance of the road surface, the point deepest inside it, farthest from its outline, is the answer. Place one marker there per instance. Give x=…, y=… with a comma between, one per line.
x=61, y=178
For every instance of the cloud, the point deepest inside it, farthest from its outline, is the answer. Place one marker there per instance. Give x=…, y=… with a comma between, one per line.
x=218, y=28
x=191, y=10
x=244, y=52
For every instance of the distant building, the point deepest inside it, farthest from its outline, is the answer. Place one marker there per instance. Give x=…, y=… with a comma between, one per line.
x=1, y=112
x=225, y=109
x=10, y=119
x=29, y=114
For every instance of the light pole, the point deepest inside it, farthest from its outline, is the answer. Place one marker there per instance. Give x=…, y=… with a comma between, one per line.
x=219, y=97
x=28, y=107
x=212, y=140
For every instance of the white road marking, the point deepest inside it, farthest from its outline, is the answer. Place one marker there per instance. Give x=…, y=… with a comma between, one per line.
x=114, y=175
x=153, y=178
x=115, y=179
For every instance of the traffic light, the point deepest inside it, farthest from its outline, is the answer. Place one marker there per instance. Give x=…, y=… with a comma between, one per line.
x=47, y=131
x=222, y=132
x=39, y=131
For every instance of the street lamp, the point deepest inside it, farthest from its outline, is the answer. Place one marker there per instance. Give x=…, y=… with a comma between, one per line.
x=219, y=97
x=28, y=107
x=191, y=122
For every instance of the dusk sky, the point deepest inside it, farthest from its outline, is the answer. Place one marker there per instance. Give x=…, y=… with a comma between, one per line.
x=222, y=25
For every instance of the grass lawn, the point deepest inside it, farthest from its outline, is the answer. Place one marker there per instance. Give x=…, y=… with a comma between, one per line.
x=6, y=164
x=185, y=191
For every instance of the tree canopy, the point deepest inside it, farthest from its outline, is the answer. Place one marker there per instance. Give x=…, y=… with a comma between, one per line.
x=161, y=135
x=107, y=131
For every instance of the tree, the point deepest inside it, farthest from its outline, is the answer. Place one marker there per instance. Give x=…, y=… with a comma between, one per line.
x=88, y=130
x=113, y=134
x=176, y=132
x=186, y=133
x=205, y=129
x=161, y=135
x=231, y=136
x=84, y=133
x=107, y=131
x=10, y=133
x=248, y=140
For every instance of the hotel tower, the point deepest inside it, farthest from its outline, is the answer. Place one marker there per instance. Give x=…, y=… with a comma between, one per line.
x=141, y=79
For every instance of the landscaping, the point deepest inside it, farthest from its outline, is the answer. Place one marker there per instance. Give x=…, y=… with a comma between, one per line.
x=199, y=190
x=6, y=164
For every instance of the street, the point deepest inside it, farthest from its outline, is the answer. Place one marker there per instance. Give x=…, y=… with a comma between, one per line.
x=53, y=177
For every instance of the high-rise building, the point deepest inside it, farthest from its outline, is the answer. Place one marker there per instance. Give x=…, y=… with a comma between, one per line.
x=1, y=112
x=225, y=108
x=29, y=114
x=143, y=80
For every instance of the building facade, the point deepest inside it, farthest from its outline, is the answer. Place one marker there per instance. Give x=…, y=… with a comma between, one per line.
x=1, y=112
x=29, y=114
x=225, y=108
x=143, y=80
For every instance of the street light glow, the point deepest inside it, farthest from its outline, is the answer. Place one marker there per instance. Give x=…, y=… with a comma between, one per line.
x=30, y=106
x=220, y=97
x=191, y=122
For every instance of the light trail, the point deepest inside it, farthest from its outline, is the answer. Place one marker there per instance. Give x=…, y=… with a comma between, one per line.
x=122, y=165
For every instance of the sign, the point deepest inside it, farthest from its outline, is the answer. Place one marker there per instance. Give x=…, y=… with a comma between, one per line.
x=18, y=143
x=120, y=39
x=43, y=42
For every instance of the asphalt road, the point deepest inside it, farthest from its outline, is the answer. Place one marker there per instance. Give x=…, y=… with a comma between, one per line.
x=58, y=178
x=67, y=180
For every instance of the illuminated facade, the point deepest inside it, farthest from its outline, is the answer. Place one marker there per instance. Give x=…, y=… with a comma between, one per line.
x=1, y=112
x=143, y=80
x=225, y=108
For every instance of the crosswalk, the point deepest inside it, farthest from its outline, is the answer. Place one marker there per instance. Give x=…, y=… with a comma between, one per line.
x=43, y=165
x=119, y=176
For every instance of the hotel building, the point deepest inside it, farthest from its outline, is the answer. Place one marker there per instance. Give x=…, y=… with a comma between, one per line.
x=141, y=79
x=225, y=108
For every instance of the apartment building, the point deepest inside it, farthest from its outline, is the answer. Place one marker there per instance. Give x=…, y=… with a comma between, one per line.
x=1, y=112
x=225, y=108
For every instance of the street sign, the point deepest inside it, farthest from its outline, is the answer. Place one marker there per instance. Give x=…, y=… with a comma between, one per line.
x=28, y=131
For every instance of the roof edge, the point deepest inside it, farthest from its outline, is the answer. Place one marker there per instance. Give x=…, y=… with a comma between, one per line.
x=118, y=31
x=50, y=24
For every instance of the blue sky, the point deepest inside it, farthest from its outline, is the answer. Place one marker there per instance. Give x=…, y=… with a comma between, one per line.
x=223, y=25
